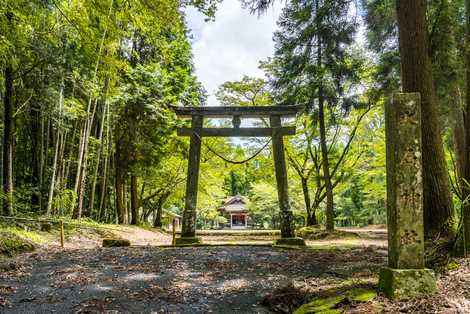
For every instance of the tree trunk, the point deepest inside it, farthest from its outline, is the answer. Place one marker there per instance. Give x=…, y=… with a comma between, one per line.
x=35, y=114
x=56, y=152
x=127, y=204
x=79, y=168
x=311, y=219
x=157, y=222
x=81, y=194
x=41, y=161
x=134, y=201
x=8, y=143
x=330, y=224
x=466, y=190
x=416, y=74
x=458, y=130
x=98, y=158
x=107, y=159
x=120, y=206
x=61, y=179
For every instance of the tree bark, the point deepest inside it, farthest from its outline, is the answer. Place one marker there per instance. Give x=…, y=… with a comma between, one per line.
x=35, y=114
x=107, y=159
x=79, y=168
x=100, y=151
x=41, y=161
x=119, y=180
x=466, y=180
x=82, y=190
x=134, y=201
x=8, y=143
x=157, y=223
x=56, y=152
x=330, y=214
x=416, y=74
x=458, y=130
x=311, y=218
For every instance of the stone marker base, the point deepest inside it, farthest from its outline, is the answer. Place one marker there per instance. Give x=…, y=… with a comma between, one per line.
x=290, y=241
x=406, y=283
x=187, y=241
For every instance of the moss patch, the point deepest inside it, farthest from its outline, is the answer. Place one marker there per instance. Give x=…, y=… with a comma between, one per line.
x=453, y=265
x=116, y=242
x=184, y=241
x=289, y=242
x=317, y=233
x=399, y=284
x=333, y=305
x=12, y=244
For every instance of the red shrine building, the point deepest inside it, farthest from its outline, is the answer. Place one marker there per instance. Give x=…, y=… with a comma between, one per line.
x=234, y=209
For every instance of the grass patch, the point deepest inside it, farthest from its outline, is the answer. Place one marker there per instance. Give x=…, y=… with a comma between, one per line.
x=13, y=242
x=31, y=236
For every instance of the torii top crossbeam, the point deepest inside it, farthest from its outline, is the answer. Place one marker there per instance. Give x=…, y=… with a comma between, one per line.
x=274, y=113
x=230, y=111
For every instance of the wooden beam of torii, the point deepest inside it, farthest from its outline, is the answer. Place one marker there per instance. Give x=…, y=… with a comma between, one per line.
x=276, y=131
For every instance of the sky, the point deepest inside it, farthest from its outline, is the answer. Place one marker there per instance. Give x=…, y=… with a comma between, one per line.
x=232, y=45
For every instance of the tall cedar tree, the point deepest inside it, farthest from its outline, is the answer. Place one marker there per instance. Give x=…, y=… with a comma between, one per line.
x=8, y=131
x=316, y=68
x=466, y=184
x=417, y=76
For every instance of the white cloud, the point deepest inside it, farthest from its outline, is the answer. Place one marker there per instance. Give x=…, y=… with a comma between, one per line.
x=232, y=45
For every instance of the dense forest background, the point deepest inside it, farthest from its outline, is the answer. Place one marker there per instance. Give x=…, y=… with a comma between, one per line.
x=87, y=85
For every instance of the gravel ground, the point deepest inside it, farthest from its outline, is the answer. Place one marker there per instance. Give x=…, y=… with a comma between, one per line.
x=157, y=280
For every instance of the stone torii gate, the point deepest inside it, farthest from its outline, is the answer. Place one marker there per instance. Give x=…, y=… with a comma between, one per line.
x=276, y=131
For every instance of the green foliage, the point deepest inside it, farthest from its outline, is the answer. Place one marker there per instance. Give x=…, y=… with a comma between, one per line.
x=314, y=48
x=97, y=77
x=11, y=243
x=249, y=91
x=263, y=206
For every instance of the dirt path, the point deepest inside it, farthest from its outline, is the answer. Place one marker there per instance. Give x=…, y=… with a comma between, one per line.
x=139, y=236
x=90, y=238
x=146, y=278
x=183, y=280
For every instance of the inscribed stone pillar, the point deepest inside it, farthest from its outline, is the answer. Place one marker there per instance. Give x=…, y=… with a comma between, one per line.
x=406, y=275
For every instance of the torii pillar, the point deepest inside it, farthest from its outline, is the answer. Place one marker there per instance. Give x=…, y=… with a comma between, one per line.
x=188, y=230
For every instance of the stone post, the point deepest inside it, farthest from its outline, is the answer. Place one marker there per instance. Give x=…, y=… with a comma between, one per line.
x=405, y=275
x=287, y=218
x=188, y=230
